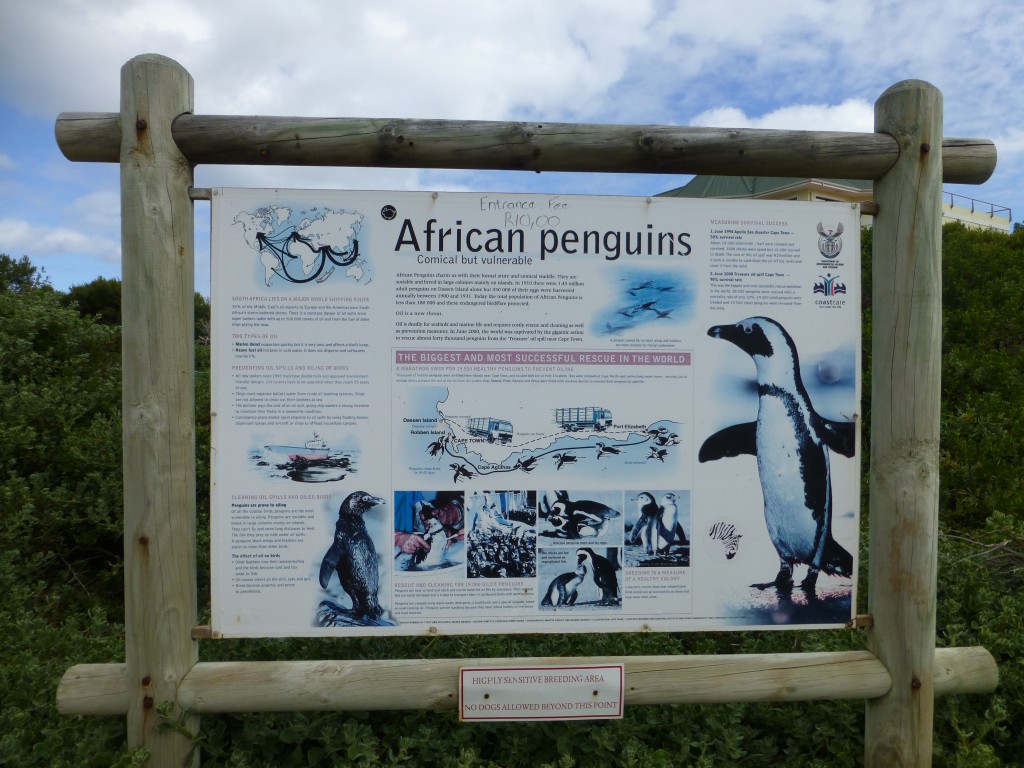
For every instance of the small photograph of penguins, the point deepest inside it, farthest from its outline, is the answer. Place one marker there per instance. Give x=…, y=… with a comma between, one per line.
x=657, y=529
x=350, y=571
x=647, y=302
x=502, y=540
x=594, y=517
x=580, y=578
x=430, y=531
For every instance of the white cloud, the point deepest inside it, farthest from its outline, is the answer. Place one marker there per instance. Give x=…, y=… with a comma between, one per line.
x=6, y=163
x=851, y=115
x=460, y=59
x=18, y=236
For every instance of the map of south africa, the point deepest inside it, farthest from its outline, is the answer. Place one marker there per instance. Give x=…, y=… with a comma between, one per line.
x=301, y=245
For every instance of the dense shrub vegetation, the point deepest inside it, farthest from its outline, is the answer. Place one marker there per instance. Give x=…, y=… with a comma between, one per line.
x=61, y=594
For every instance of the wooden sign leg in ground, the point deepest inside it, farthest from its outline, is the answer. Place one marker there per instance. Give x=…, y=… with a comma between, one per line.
x=159, y=422
x=905, y=399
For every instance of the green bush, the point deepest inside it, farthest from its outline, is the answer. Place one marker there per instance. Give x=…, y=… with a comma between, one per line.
x=61, y=598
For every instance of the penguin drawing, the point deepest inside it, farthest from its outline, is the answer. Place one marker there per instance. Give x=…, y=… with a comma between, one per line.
x=353, y=557
x=645, y=530
x=564, y=458
x=791, y=442
x=460, y=471
x=603, y=449
x=563, y=588
x=603, y=573
x=527, y=465
x=657, y=453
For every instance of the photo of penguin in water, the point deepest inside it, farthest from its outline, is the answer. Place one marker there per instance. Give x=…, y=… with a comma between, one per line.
x=353, y=558
x=791, y=443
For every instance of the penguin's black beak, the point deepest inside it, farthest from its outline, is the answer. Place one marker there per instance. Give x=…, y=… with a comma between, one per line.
x=580, y=559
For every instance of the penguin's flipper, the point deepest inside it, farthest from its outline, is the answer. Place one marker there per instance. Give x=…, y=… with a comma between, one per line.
x=329, y=564
x=840, y=436
x=736, y=440
x=634, y=536
x=680, y=535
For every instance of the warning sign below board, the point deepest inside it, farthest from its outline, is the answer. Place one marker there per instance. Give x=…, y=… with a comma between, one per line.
x=541, y=693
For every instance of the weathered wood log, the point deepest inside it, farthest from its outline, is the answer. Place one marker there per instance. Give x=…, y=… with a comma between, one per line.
x=219, y=139
x=158, y=399
x=272, y=686
x=905, y=401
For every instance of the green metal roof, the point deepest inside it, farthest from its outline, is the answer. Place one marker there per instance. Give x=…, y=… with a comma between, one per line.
x=749, y=186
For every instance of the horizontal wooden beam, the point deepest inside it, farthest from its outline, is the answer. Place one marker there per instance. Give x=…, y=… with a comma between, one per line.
x=482, y=145
x=281, y=686
x=94, y=689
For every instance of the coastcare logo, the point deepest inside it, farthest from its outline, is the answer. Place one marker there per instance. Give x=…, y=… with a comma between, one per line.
x=829, y=285
x=829, y=241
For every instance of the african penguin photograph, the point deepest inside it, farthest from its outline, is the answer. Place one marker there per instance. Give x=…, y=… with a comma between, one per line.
x=656, y=529
x=352, y=557
x=594, y=516
x=580, y=578
x=793, y=447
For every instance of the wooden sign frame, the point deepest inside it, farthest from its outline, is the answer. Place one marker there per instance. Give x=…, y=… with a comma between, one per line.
x=157, y=141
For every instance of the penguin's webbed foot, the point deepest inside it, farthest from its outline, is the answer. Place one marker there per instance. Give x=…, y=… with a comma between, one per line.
x=810, y=580
x=783, y=581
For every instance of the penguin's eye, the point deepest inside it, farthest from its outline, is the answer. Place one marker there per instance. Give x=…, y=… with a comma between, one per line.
x=747, y=328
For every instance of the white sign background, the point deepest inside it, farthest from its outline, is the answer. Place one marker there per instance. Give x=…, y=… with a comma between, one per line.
x=503, y=398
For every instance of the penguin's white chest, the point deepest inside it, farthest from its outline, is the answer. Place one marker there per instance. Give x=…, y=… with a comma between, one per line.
x=783, y=439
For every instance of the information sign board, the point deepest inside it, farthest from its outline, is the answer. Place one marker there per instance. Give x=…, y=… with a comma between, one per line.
x=484, y=412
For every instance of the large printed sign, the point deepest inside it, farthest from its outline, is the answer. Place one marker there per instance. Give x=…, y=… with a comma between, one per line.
x=481, y=413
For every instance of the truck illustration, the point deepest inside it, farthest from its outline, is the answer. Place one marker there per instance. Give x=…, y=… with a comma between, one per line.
x=575, y=419
x=495, y=430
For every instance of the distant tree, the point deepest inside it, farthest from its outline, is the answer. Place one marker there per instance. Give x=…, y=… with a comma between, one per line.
x=19, y=275
x=100, y=299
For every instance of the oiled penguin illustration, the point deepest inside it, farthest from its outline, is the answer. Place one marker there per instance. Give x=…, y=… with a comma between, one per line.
x=353, y=557
x=791, y=443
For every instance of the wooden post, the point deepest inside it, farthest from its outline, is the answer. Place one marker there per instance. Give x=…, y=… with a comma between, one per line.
x=905, y=399
x=158, y=402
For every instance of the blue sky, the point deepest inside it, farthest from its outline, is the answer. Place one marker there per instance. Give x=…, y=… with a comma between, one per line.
x=800, y=64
